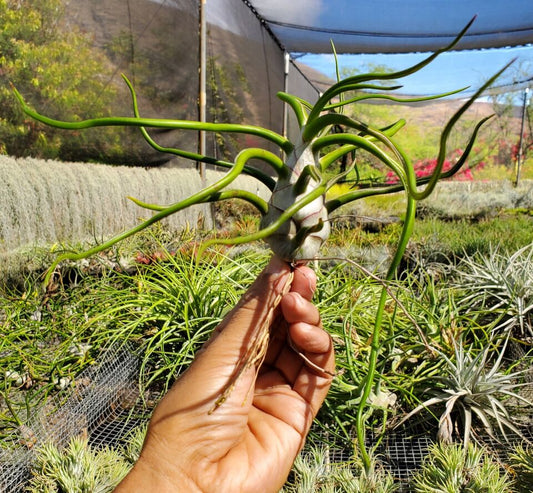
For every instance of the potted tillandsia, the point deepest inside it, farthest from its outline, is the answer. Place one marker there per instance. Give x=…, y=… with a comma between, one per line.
x=296, y=220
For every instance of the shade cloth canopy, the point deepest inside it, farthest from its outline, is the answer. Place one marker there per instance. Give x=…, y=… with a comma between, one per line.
x=394, y=26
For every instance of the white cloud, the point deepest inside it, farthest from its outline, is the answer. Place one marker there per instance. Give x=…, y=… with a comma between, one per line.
x=302, y=12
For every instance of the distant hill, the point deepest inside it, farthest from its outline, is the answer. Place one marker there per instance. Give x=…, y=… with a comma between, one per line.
x=320, y=80
x=433, y=113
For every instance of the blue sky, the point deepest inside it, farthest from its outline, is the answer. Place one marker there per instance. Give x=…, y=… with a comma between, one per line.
x=449, y=71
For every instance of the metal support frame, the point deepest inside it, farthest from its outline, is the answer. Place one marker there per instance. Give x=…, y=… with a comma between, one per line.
x=521, y=137
x=287, y=60
x=202, y=93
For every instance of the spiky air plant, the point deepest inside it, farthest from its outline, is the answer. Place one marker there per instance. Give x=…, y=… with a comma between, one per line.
x=295, y=221
x=521, y=461
x=468, y=390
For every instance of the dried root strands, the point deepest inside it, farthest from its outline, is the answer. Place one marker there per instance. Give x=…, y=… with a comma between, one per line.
x=255, y=353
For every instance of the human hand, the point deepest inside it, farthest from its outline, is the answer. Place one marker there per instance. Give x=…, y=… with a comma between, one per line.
x=250, y=441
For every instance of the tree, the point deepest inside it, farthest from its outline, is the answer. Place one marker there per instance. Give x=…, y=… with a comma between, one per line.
x=57, y=67
x=507, y=104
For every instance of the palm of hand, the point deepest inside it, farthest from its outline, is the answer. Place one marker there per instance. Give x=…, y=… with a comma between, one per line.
x=250, y=441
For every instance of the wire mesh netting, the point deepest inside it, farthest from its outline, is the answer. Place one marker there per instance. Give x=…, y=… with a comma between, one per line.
x=402, y=453
x=98, y=407
x=104, y=407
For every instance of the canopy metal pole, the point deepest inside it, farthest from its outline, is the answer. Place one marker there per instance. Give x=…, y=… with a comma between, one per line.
x=287, y=59
x=520, y=138
x=202, y=85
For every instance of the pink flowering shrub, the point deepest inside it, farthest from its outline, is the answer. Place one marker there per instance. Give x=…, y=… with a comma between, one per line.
x=425, y=167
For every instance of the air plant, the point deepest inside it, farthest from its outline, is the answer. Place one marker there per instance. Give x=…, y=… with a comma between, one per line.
x=454, y=467
x=469, y=389
x=77, y=467
x=502, y=284
x=314, y=471
x=296, y=220
x=521, y=461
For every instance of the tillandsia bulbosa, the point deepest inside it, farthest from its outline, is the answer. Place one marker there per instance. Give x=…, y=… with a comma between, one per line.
x=295, y=221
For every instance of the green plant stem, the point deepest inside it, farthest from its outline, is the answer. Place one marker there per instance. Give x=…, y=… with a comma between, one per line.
x=352, y=82
x=375, y=344
x=7, y=402
x=273, y=227
x=199, y=197
x=274, y=161
x=266, y=134
x=364, y=97
x=363, y=143
x=260, y=204
x=444, y=137
x=360, y=193
x=332, y=156
x=268, y=181
x=297, y=105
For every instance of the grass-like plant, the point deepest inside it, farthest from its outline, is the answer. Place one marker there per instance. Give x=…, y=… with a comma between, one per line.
x=134, y=440
x=450, y=468
x=170, y=306
x=469, y=390
x=521, y=462
x=296, y=220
